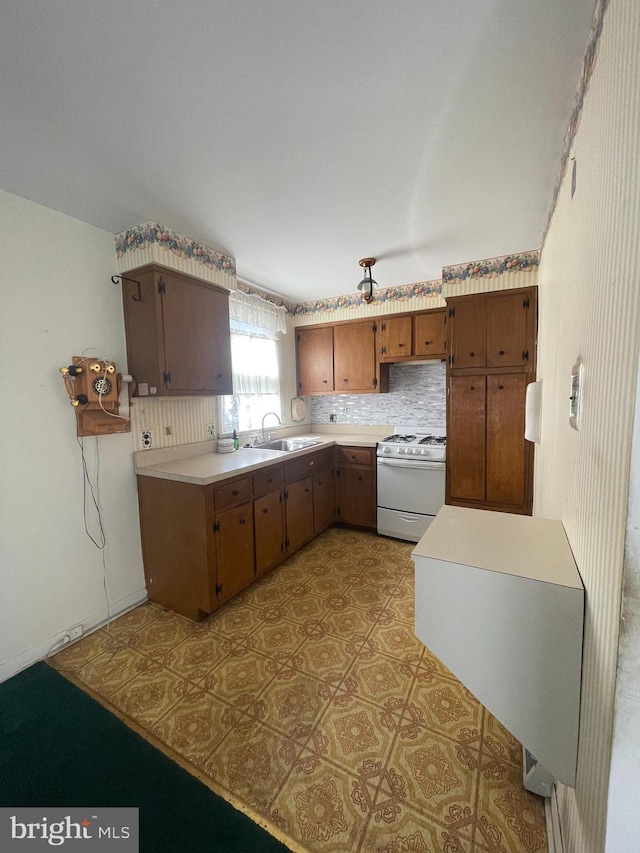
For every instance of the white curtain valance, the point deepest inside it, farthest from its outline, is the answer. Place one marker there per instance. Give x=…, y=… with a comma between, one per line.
x=249, y=314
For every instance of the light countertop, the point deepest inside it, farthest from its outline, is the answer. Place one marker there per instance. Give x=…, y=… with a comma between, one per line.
x=200, y=465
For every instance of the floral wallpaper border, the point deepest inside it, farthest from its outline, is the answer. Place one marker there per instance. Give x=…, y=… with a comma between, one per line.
x=354, y=300
x=574, y=121
x=269, y=297
x=491, y=267
x=147, y=233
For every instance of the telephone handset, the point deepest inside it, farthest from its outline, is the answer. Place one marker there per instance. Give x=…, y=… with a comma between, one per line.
x=93, y=386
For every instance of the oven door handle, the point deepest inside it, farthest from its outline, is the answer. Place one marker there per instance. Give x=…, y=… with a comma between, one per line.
x=410, y=463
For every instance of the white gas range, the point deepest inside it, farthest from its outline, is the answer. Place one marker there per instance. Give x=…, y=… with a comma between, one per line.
x=411, y=481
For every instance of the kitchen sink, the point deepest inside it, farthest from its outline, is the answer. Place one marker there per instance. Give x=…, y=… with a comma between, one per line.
x=288, y=444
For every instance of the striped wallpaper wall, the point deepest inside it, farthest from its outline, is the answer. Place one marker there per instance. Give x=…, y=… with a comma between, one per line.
x=589, y=303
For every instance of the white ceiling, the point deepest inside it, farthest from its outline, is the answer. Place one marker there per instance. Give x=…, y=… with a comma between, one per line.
x=296, y=135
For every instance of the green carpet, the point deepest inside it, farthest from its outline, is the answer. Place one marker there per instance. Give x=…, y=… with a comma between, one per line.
x=59, y=747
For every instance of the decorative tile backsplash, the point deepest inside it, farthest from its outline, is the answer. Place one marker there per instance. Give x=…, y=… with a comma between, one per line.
x=416, y=398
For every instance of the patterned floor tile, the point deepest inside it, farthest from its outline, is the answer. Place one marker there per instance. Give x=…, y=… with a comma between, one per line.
x=310, y=698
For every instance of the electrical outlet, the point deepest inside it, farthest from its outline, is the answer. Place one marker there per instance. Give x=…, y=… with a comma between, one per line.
x=76, y=632
x=146, y=439
x=168, y=430
x=211, y=431
x=333, y=419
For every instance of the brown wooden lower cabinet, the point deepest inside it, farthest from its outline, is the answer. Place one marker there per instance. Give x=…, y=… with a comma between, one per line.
x=489, y=462
x=270, y=534
x=202, y=545
x=356, y=486
x=235, y=546
x=324, y=500
x=299, y=513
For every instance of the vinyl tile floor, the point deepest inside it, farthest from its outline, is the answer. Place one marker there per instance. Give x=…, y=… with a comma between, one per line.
x=309, y=699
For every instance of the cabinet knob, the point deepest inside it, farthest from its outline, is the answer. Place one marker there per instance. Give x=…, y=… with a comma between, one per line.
x=307, y=491
x=400, y=345
x=235, y=493
x=472, y=354
x=265, y=512
x=325, y=381
x=220, y=375
x=473, y=388
x=243, y=521
x=501, y=387
x=501, y=352
x=427, y=343
x=269, y=479
x=345, y=379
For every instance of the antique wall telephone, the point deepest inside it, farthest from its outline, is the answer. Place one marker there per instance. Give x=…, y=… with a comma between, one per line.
x=94, y=389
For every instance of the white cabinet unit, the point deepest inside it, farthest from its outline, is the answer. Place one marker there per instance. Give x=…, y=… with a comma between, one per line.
x=500, y=601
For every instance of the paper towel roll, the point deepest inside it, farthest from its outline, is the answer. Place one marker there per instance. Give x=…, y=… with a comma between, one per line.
x=532, y=412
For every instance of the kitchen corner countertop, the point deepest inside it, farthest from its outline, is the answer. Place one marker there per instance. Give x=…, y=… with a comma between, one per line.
x=211, y=467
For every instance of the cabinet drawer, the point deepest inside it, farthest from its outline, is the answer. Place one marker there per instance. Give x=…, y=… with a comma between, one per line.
x=298, y=468
x=234, y=493
x=267, y=481
x=355, y=455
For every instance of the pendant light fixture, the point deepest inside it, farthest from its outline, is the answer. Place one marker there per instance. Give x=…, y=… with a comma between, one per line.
x=367, y=284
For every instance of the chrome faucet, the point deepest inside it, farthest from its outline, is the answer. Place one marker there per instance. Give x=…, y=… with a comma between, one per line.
x=263, y=420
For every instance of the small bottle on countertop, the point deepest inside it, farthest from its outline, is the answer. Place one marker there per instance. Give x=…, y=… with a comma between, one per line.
x=236, y=443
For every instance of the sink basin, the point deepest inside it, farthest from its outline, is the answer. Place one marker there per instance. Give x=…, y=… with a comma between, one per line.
x=288, y=444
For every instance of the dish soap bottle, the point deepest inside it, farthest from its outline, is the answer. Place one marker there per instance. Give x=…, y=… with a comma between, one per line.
x=236, y=443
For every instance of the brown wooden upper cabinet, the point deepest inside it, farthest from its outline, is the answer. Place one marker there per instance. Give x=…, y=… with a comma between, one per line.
x=495, y=329
x=177, y=330
x=408, y=336
x=394, y=337
x=338, y=359
x=314, y=358
x=354, y=357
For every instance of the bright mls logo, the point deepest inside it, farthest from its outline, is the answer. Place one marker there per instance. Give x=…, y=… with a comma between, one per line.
x=78, y=829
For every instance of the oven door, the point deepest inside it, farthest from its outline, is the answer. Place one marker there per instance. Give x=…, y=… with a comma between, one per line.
x=411, y=485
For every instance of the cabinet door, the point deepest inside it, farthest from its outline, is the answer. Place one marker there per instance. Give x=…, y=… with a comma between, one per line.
x=355, y=496
x=393, y=338
x=197, y=347
x=323, y=500
x=506, y=447
x=354, y=357
x=430, y=334
x=234, y=550
x=314, y=354
x=299, y=513
x=466, y=438
x=507, y=330
x=178, y=567
x=268, y=513
x=467, y=332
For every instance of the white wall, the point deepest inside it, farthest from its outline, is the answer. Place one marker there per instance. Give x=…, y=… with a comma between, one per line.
x=590, y=309
x=57, y=300
x=623, y=823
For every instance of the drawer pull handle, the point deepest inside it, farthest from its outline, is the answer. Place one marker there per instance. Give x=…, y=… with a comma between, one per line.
x=473, y=387
x=265, y=511
x=345, y=379
x=500, y=387
x=472, y=354
x=269, y=479
x=235, y=493
x=243, y=521
x=325, y=381
x=312, y=462
x=427, y=343
x=400, y=345
x=501, y=352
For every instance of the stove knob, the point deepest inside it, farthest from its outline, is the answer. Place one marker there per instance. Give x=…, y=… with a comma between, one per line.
x=401, y=450
x=386, y=450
